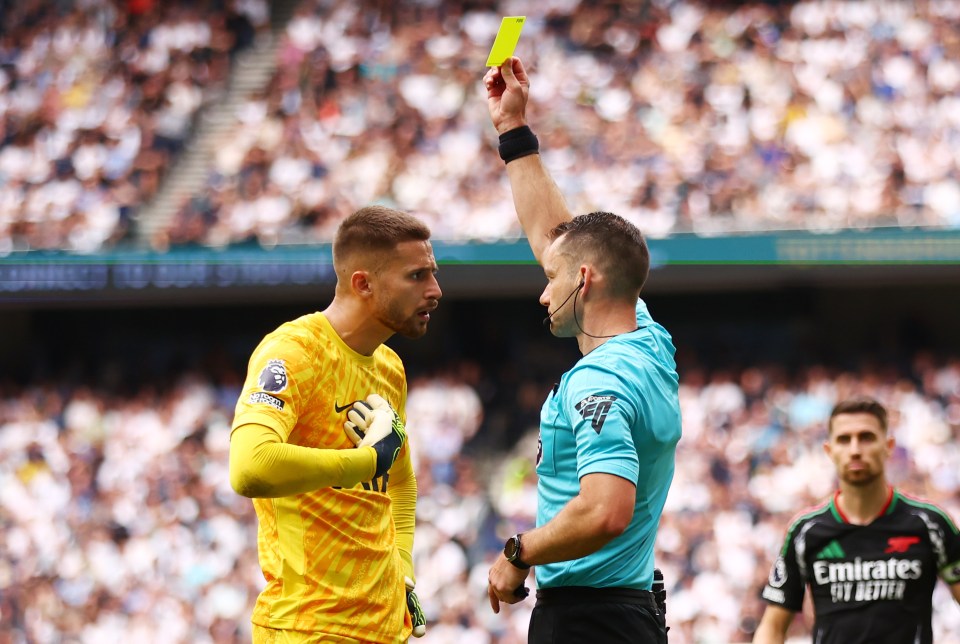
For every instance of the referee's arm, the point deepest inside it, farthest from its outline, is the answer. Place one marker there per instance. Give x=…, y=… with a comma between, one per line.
x=598, y=514
x=537, y=199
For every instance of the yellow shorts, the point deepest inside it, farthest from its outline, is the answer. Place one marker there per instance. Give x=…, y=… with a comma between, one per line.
x=264, y=635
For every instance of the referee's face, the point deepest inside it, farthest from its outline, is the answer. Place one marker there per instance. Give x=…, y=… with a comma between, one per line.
x=560, y=294
x=406, y=290
x=859, y=448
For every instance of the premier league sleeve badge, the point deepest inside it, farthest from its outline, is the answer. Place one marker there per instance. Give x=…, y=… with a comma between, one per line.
x=273, y=378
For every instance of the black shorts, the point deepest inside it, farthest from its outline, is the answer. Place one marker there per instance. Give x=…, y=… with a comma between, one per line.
x=582, y=615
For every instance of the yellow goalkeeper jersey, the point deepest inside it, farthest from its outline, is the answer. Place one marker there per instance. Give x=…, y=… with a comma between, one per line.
x=330, y=556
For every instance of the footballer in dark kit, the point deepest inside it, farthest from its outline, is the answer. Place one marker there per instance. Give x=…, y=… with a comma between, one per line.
x=869, y=583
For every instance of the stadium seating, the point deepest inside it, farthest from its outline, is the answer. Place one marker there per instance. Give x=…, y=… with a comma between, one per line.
x=96, y=100
x=713, y=118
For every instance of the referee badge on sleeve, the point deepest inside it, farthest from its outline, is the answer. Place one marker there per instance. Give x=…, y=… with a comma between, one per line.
x=595, y=409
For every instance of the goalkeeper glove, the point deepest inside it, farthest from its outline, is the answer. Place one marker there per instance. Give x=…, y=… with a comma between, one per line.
x=374, y=423
x=416, y=612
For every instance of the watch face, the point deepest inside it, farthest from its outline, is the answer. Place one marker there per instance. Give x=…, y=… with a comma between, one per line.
x=510, y=548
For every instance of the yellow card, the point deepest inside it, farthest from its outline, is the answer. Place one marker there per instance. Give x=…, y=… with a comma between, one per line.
x=506, y=40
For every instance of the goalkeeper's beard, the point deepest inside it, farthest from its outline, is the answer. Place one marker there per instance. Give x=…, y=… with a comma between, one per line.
x=398, y=321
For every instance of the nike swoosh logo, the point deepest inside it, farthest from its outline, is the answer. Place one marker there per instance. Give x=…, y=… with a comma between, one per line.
x=345, y=407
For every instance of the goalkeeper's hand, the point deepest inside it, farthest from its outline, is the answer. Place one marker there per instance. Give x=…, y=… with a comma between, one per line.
x=416, y=612
x=374, y=423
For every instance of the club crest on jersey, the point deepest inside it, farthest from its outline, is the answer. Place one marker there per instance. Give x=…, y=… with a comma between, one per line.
x=595, y=409
x=273, y=378
x=900, y=544
x=778, y=574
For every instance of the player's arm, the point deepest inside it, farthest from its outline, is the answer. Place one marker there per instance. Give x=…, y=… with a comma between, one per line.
x=784, y=592
x=262, y=465
x=374, y=422
x=773, y=625
x=955, y=589
x=539, y=203
x=403, y=495
x=402, y=491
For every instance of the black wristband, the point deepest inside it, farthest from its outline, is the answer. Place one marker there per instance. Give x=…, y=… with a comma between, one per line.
x=517, y=143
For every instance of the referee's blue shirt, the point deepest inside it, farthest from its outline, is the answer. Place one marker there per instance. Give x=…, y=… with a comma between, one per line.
x=616, y=412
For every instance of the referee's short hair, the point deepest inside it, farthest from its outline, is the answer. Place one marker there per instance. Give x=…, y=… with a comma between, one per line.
x=616, y=246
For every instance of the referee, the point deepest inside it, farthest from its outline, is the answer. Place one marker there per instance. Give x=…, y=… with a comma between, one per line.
x=608, y=430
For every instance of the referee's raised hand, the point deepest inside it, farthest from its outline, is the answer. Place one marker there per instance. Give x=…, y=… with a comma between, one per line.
x=508, y=88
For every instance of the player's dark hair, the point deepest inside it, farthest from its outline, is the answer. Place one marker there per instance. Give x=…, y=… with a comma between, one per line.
x=611, y=242
x=376, y=229
x=859, y=405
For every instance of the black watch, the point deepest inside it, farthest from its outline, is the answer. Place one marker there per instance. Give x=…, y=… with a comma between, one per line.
x=511, y=550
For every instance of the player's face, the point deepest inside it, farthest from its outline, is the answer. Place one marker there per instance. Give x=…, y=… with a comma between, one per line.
x=562, y=280
x=859, y=448
x=407, y=289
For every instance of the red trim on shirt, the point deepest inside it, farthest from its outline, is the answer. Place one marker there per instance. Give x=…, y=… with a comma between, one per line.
x=883, y=510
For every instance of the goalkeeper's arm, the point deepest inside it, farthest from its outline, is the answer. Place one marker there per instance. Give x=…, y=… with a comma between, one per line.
x=374, y=422
x=403, y=496
x=262, y=465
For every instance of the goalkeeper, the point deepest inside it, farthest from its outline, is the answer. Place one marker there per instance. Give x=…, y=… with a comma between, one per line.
x=319, y=444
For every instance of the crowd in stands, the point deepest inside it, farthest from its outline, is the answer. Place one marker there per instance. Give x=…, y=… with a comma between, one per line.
x=119, y=523
x=684, y=116
x=681, y=115
x=97, y=97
